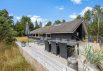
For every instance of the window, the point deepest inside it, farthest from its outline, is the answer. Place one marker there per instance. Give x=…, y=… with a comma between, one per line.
x=77, y=33
x=48, y=35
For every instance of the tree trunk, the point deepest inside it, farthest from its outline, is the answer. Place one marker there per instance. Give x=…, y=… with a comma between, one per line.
x=98, y=32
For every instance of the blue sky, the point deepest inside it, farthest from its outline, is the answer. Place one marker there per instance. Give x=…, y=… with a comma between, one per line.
x=45, y=10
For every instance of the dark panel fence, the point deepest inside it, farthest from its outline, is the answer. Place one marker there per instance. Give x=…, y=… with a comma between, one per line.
x=63, y=50
x=47, y=46
x=54, y=48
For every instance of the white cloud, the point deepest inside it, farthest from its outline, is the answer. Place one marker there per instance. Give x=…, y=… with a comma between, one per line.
x=18, y=17
x=76, y=1
x=60, y=7
x=36, y=18
x=85, y=10
x=73, y=16
x=33, y=19
x=11, y=14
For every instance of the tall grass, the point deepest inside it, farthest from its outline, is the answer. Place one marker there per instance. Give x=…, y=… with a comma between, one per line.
x=24, y=39
x=11, y=59
x=94, y=56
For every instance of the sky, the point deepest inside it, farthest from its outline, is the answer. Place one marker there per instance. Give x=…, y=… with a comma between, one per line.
x=48, y=10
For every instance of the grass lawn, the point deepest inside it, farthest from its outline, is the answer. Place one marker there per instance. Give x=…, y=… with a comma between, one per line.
x=23, y=39
x=11, y=59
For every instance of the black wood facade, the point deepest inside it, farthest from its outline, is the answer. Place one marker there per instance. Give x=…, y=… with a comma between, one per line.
x=74, y=30
x=75, y=33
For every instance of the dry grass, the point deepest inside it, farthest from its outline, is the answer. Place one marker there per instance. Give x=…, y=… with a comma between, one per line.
x=98, y=49
x=23, y=39
x=11, y=59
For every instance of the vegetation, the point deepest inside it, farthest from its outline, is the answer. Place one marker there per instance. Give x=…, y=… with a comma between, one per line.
x=94, y=19
x=94, y=56
x=20, y=25
x=11, y=59
x=63, y=21
x=37, y=25
x=6, y=30
x=59, y=22
x=49, y=23
x=23, y=39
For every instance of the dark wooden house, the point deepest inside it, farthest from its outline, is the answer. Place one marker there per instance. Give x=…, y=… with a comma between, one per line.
x=73, y=30
x=58, y=38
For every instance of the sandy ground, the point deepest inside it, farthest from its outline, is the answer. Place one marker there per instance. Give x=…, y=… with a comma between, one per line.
x=53, y=62
x=49, y=60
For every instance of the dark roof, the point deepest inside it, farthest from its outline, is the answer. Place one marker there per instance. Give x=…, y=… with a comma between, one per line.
x=68, y=27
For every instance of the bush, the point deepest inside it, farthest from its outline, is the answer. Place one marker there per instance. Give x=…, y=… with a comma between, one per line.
x=6, y=30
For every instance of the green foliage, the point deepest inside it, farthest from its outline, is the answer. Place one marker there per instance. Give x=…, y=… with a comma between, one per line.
x=6, y=30
x=49, y=23
x=63, y=21
x=78, y=17
x=24, y=20
x=96, y=17
x=36, y=25
x=57, y=22
x=40, y=24
x=20, y=27
x=93, y=56
x=93, y=18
